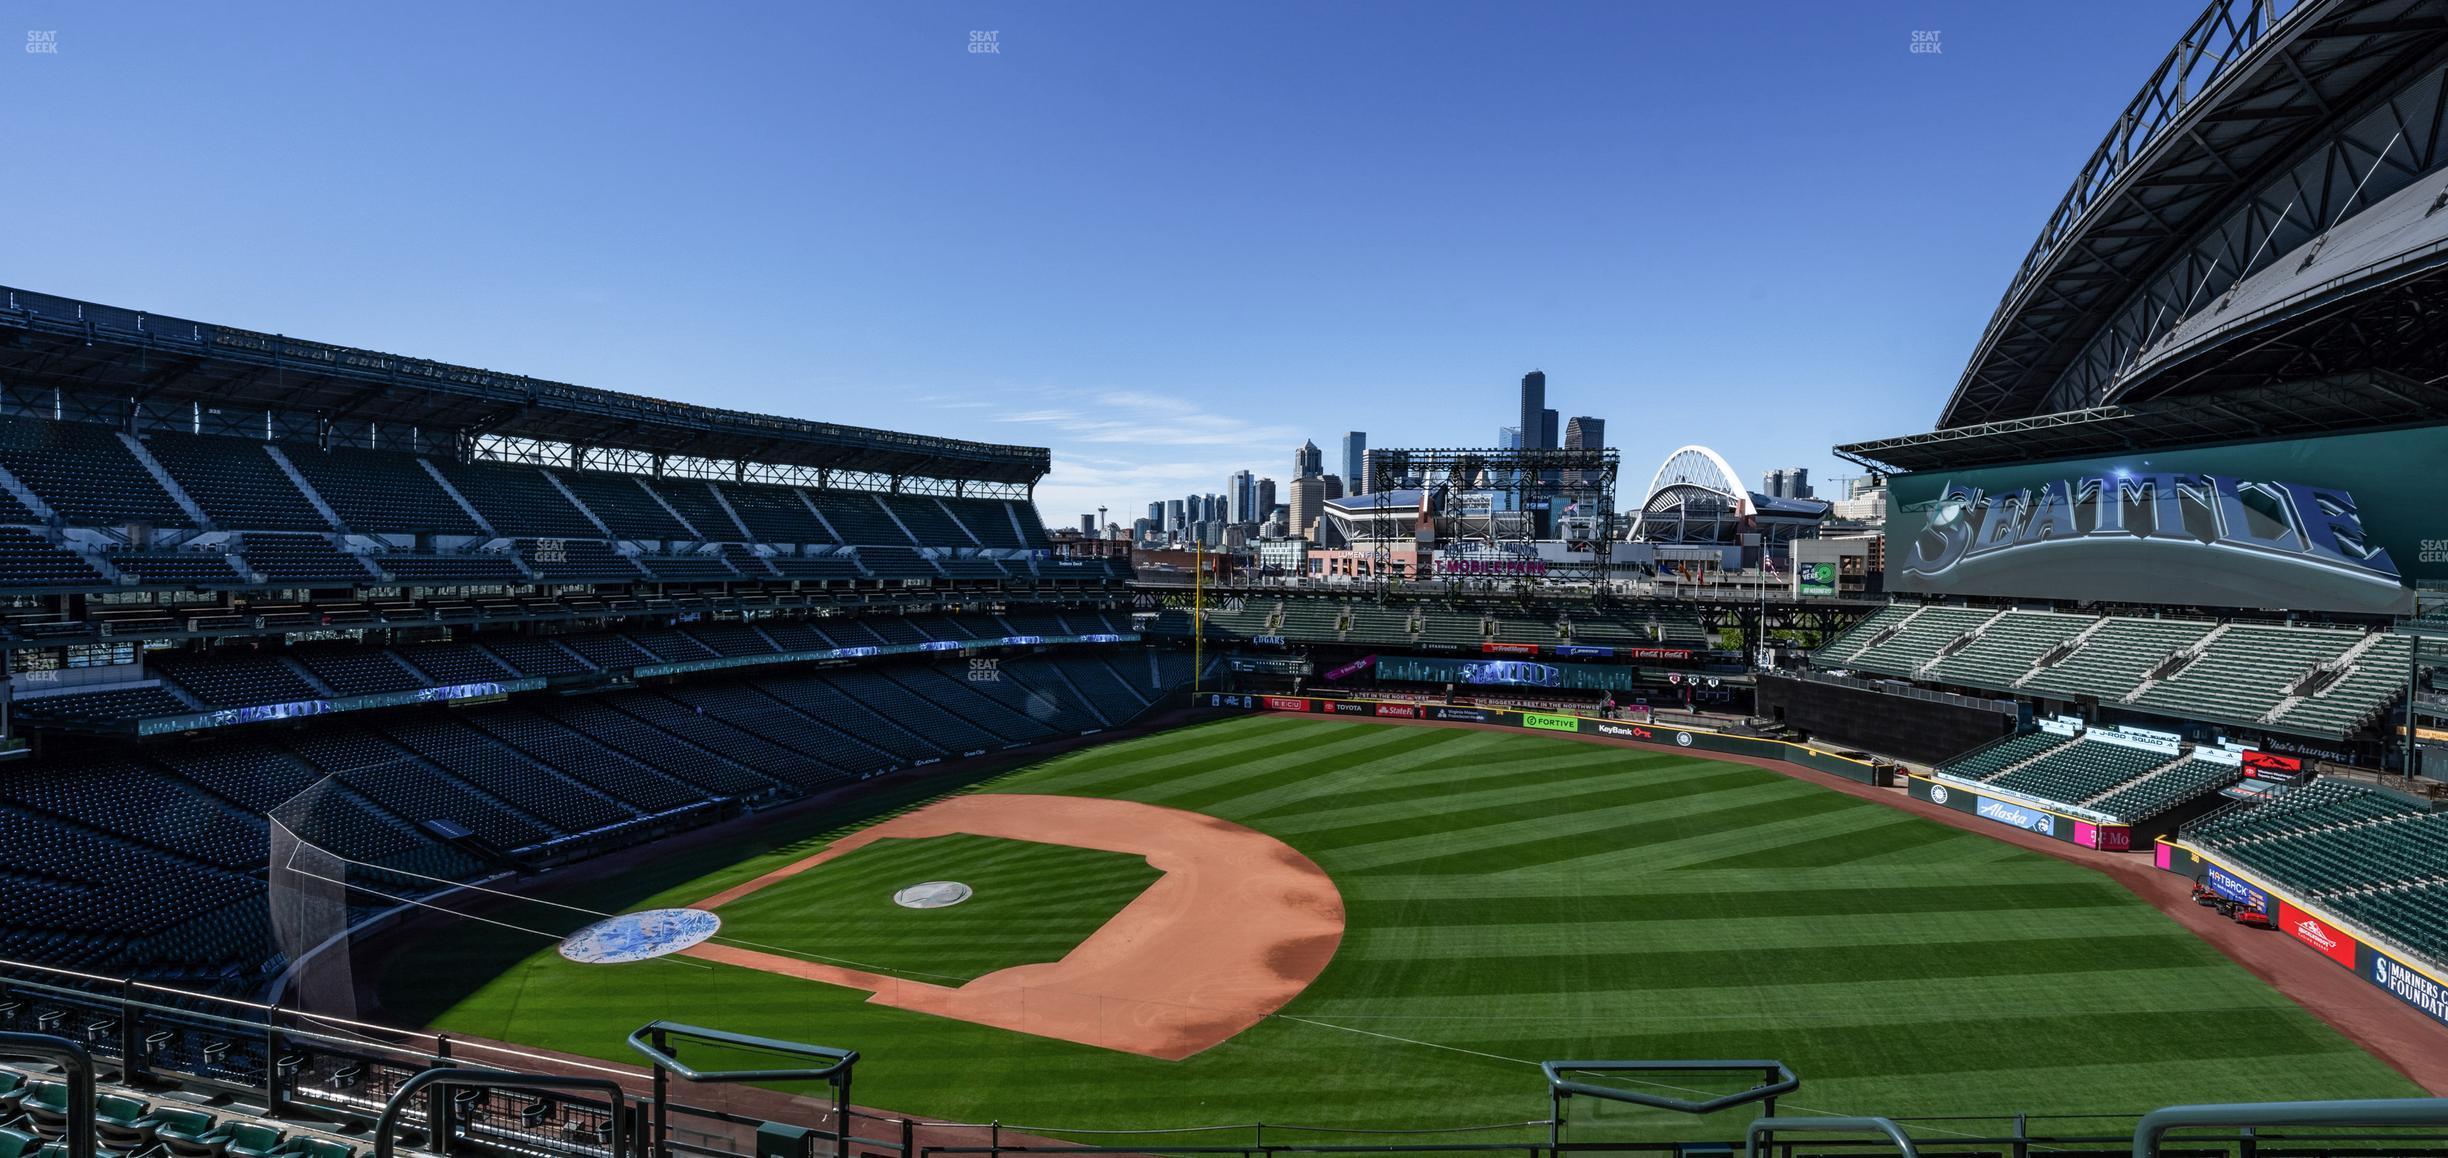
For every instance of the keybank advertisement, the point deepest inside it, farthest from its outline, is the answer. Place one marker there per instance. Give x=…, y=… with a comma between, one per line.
x=2343, y=523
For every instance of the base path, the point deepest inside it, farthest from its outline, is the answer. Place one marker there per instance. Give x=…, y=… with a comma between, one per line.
x=1237, y=926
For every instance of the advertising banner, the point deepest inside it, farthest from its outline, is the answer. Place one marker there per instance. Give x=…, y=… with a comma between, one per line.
x=2343, y=523
x=1551, y=723
x=2271, y=766
x=265, y=713
x=2027, y=819
x=1358, y=665
x=2112, y=837
x=1815, y=579
x=1406, y=711
x=1582, y=650
x=2332, y=943
x=1286, y=703
x=2416, y=986
x=2410, y=986
x=2234, y=888
x=1513, y=672
x=1495, y=648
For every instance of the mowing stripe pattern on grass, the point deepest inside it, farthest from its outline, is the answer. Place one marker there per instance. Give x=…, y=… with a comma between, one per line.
x=1518, y=897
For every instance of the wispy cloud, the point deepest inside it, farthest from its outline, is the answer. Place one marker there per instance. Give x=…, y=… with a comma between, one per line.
x=1125, y=416
x=1123, y=448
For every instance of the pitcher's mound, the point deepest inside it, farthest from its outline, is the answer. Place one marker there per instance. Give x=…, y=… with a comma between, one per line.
x=932, y=895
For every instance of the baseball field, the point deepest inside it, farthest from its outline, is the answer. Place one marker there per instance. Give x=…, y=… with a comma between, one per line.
x=1399, y=923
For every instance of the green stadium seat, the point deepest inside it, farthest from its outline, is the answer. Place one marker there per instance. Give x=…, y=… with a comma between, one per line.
x=185, y=1131
x=249, y=1140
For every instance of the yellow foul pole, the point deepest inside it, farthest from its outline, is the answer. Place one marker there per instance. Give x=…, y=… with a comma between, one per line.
x=1198, y=614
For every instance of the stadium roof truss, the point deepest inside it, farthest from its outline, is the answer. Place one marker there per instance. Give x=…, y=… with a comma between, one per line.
x=2365, y=400
x=64, y=358
x=2266, y=124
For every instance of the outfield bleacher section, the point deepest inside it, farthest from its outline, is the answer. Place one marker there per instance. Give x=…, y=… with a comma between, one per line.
x=2370, y=856
x=2319, y=681
x=2117, y=780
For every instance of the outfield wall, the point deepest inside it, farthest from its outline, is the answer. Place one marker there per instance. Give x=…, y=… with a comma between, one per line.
x=2419, y=984
x=1926, y=730
x=2018, y=812
x=1695, y=739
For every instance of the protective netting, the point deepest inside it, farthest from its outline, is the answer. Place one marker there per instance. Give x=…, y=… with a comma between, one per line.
x=308, y=888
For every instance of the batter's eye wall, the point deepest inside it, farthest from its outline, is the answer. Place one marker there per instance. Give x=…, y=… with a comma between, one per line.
x=1924, y=731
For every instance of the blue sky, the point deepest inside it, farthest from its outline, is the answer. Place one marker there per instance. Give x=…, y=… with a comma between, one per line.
x=1167, y=240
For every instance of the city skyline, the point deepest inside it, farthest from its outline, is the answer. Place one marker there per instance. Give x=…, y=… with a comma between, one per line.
x=1347, y=470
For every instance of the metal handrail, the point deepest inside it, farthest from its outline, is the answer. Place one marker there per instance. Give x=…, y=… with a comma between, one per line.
x=2155, y=1125
x=438, y=1124
x=1762, y=1128
x=74, y=1061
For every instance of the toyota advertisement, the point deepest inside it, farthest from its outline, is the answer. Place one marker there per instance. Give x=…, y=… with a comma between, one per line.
x=2343, y=523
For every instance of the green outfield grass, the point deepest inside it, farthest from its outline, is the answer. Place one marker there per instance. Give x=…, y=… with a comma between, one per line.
x=1511, y=898
x=1033, y=902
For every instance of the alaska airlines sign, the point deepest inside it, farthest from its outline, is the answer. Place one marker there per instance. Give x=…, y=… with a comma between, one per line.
x=2125, y=535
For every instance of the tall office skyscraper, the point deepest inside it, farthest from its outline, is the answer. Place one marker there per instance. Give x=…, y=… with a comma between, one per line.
x=1508, y=438
x=1797, y=483
x=1239, y=492
x=1547, y=430
x=1156, y=515
x=1262, y=507
x=1533, y=405
x=1307, y=460
x=1175, y=518
x=1584, y=433
x=1355, y=463
x=1088, y=526
x=1772, y=484
x=1308, y=501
